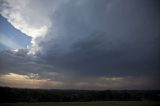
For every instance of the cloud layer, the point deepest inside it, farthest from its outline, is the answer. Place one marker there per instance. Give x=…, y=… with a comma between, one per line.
x=80, y=42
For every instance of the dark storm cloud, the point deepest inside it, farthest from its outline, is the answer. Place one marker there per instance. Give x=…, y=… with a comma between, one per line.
x=105, y=38
x=97, y=39
x=22, y=63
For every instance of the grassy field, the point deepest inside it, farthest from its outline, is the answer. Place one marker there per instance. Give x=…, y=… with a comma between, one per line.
x=108, y=103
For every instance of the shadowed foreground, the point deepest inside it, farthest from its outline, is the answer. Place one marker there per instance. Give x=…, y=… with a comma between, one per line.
x=107, y=103
x=13, y=95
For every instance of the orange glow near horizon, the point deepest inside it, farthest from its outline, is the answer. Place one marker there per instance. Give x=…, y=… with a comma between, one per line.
x=25, y=81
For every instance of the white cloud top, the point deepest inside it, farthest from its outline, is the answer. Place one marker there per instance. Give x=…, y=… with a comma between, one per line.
x=27, y=17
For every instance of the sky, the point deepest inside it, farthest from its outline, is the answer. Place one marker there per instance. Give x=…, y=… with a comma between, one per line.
x=11, y=38
x=80, y=44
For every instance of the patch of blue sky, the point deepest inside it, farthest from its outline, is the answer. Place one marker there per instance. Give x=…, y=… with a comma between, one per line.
x=11, y=38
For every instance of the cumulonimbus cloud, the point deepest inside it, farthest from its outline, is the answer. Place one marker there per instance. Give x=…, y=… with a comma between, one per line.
x=89, y=38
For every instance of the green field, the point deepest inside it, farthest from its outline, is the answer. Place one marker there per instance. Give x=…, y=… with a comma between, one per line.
x=108, y=103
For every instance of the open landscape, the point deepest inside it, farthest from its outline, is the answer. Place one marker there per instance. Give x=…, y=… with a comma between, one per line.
x=79, y=52
x=55, y=97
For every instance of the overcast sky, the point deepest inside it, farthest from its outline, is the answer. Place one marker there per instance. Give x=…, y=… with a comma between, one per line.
x=80, y=44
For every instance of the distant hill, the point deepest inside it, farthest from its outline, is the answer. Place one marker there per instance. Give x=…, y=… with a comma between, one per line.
x=54, y=95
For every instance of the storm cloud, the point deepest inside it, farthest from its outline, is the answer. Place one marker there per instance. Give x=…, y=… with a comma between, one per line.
x=98, y=44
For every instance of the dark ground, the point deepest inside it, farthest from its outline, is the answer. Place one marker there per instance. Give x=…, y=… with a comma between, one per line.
x=15, y=95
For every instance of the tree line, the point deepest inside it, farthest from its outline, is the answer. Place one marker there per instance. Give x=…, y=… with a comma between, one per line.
x=53, y=95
